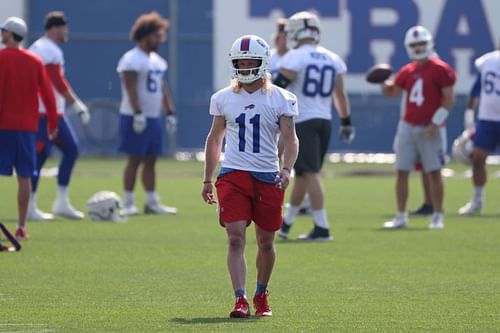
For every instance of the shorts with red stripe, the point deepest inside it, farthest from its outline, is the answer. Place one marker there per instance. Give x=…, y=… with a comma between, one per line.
x=244, y=198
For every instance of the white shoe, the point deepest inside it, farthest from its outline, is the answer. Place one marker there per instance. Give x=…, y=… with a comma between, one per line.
x=471, y=208
x=396, y=223
x=63, y=207
x=158, y=208
x=129, y=210
x=437, y=222
x=36, y=214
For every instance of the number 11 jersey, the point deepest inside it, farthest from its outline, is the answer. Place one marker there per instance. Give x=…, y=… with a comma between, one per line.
x=252, y=126
x=317, y=69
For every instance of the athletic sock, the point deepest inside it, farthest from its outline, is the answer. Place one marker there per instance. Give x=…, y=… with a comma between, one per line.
x=152, y=197
x=240, y=292
x=32, y=201
x=62, y=192
x=402, y=215
x=260, y=288
x=478, y=194
x=291, y=212
x=320, y=218
x=129, y=198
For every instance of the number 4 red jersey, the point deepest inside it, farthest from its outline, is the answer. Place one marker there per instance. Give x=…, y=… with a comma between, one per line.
x=424, y=84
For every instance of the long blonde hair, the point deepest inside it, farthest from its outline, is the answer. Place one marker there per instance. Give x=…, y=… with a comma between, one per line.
x=266, y=84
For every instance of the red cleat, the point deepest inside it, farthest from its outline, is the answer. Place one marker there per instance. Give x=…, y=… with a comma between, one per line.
x=262, y=309
x=241, y=308
x=21, y=234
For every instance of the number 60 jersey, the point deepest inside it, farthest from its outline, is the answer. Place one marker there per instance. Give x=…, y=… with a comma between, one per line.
x=316, y=68
x=252, y=126
x=150, y=69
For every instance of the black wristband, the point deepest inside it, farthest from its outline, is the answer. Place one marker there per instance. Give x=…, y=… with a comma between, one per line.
x=207, y=182
x=345, y=121
x=138, y=112
x=287, y=169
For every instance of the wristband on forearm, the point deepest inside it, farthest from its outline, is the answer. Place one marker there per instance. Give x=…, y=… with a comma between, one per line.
x=345, y=121
x=469, y=117
x=440, y=116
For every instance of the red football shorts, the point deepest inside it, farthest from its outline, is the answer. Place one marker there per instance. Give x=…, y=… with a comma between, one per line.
x=243, y=198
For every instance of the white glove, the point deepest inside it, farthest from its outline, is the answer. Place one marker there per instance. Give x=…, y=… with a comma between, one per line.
x=469, y=119
x=347, y=133
x=171, y=123
x=82, y=111
x=139, y=123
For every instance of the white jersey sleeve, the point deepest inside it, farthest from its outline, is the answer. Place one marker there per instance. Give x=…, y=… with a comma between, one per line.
x=216, y=103
x=51, y=54
x=252, y=126
x=489, y=102
x=150, y=70
x=316, y=69
x=274, y=63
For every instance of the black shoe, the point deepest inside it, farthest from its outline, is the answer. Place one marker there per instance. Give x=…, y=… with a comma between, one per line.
x=317, y=234
x=424, y=210
x=284, y=230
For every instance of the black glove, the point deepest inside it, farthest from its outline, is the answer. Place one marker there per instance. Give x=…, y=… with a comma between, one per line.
x=347, y=131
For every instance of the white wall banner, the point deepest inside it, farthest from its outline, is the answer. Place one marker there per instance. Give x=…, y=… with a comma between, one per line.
x=367, y=32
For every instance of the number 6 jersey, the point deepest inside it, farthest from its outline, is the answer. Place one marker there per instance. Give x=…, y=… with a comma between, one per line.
x=424, y=85
x=488, y=66
x=150, y=69
x=252, y=126
x=316, y=69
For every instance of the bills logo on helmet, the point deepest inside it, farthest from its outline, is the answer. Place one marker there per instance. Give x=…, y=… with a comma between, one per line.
x=245, y=44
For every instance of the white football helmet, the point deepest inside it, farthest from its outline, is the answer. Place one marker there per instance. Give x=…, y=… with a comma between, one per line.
x=462, y=148
x=104, y=206
x=249, y=47
x=415, y=35
x=302, y=25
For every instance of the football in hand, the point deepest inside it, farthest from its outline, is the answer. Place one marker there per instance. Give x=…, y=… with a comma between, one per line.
x=379, y=73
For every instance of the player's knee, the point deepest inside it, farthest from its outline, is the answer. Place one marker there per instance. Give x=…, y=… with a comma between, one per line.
x=236, y=241
x=266, y=246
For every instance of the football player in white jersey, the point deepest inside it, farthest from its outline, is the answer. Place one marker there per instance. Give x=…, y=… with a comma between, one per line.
x=280, y=47
x=144, y=95
x=487, y=128
x=314, y=74
x=56, y=32
x=279, y=50
x=250, y=114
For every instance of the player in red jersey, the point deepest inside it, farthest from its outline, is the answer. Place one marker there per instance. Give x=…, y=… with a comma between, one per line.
x=428, y=82
x=22, y=79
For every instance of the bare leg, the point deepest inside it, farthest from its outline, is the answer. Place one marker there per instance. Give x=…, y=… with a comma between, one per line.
x=401, y=189
x=23, y=197
x=149, y=173
x=236, y=262
x=266, y=254
x=130, y=172
x=298, y=191
x=479, y=175
x=436, y=186
x=315, y=190
x=426, y=188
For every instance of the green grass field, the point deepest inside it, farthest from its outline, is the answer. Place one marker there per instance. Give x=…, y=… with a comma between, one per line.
x=168, y=273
